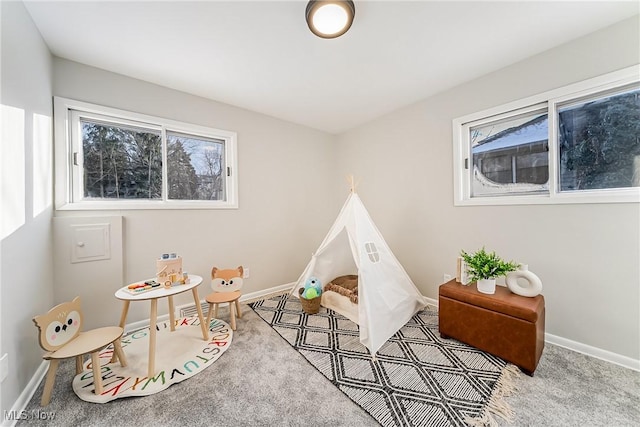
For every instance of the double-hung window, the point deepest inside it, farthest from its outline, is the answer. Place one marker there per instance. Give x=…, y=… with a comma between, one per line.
x=577, y=144
x=114, y=159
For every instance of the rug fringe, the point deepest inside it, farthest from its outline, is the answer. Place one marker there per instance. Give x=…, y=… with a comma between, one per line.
x=497, y=406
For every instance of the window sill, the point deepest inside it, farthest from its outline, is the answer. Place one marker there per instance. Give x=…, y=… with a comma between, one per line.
x=146, y=205
x=584, y=197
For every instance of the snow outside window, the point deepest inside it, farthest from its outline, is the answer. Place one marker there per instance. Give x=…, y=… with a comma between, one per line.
x=510, y=156
x=576, y=144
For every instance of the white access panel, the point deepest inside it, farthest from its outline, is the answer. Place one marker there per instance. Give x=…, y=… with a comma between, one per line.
x=92, y=271
x=90, y=242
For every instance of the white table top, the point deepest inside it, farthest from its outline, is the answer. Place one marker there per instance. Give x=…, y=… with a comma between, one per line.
x=161, y=292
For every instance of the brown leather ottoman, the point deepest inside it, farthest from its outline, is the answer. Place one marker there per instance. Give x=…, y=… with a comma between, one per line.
x=504, y=324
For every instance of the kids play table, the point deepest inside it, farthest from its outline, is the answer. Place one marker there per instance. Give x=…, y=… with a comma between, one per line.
x=153, y=296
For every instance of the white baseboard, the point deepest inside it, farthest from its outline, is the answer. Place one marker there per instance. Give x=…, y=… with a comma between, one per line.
x=432, y=302
x=598, y=353
x=144, y=323
x=607, y=356
x=265, y=292
x=250, y=297
x=588, y=350
x=27, y=394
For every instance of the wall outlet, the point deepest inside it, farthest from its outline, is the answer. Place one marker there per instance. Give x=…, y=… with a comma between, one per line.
x=4, y=367
x=446, y=278
x=246, y=273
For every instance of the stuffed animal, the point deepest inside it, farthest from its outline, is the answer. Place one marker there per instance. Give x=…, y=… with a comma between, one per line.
x=226, y=280
x=312, y=288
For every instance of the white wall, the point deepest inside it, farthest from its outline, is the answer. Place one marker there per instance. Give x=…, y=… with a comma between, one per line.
x=291, y=187
x=587, y=255
x=285, y=180
x=26, y=263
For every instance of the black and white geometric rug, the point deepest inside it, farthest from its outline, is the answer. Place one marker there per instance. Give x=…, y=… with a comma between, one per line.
x=418, y=379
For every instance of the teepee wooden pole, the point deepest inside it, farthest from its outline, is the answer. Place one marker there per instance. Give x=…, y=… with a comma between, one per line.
x=352, y=183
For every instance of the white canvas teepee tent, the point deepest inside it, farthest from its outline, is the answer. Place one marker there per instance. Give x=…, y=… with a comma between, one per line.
x=387, y=298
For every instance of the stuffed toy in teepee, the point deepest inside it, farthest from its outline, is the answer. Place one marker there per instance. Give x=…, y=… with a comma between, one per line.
x=310, y=295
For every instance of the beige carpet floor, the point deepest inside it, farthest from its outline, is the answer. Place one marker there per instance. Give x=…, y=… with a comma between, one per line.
x=262, y=381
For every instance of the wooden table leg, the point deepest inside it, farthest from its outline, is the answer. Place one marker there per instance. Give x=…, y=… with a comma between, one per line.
x=205, y=328
x=172, y=315
x=123, y=318
x=125, y=310
x=208, y=321
x=153, y=318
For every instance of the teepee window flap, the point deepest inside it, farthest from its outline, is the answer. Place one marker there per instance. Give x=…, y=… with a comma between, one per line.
x=372, y=252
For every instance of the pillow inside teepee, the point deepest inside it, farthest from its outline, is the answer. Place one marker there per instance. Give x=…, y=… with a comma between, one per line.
x=346, y=286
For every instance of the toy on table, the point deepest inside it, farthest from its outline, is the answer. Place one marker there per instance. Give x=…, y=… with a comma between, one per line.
x=169, y=270
x=137, y=288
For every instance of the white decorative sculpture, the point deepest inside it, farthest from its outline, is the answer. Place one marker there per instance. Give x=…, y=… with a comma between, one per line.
x=534, y=286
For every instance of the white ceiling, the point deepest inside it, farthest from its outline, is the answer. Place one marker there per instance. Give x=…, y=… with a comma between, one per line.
x=260, y=55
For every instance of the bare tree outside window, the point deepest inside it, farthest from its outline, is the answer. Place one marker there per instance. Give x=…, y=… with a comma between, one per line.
x=108, y=158
x=125, y=162
x=195, y=167
x=121, y=162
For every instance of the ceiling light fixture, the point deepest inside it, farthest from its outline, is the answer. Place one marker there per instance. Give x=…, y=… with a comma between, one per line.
x=330, y=19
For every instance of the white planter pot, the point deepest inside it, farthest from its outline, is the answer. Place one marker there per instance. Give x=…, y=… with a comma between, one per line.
x=487, y=286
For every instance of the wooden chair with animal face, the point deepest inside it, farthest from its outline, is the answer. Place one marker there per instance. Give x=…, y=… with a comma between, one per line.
x=226, y=285
x=61, y=336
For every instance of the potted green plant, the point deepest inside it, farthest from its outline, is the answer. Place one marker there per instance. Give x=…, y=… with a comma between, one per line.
x=484, y=268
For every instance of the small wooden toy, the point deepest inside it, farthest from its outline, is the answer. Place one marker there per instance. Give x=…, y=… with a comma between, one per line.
x=169, y=270
x=136, y=288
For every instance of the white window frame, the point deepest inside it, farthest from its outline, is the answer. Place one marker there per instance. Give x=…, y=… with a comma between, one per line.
x=552, y=99
x=68, y=182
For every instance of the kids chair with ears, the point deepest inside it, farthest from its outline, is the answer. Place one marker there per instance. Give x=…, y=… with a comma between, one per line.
x=226, y=285
x=61, y=336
